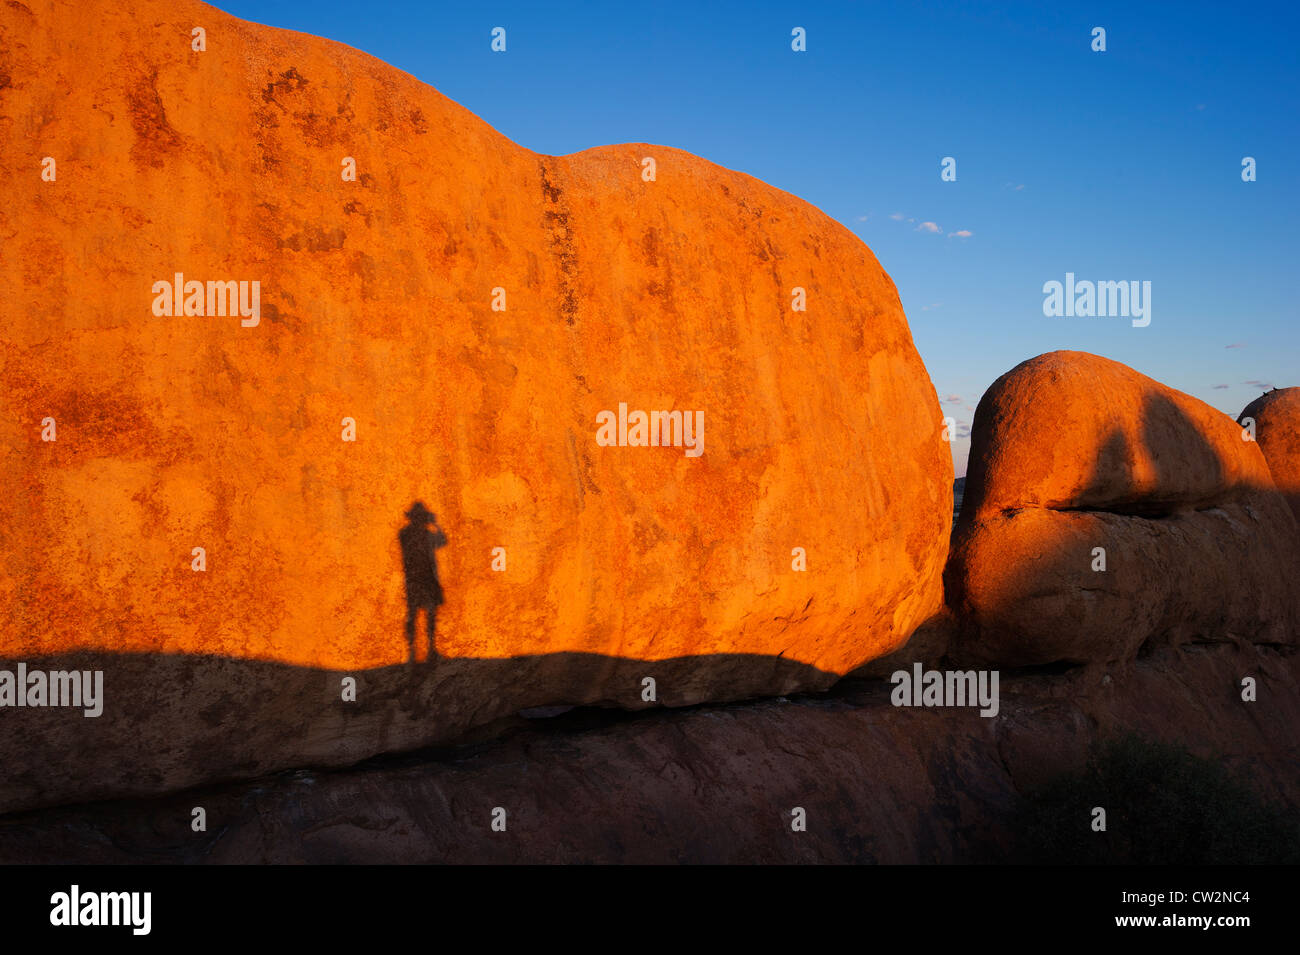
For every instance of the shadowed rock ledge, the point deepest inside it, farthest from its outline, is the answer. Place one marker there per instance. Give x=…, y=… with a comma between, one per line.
x=717, y=783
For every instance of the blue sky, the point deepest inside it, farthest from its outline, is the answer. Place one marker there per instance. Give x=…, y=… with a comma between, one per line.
x=1122, y=165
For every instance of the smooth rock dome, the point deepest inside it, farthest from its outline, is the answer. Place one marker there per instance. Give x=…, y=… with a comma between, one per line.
x=446, y=328
x=1104, y=510
x=1276, y=415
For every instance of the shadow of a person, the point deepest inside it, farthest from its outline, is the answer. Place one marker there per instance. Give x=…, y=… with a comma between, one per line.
x=420, y=564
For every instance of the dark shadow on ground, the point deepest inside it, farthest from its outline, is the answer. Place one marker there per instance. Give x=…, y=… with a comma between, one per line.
x=175, y=720
x=712, y=783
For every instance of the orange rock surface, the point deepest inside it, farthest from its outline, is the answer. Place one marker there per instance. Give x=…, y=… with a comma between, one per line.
x=1104, y=510
x=1277, y=429
x=821, y=427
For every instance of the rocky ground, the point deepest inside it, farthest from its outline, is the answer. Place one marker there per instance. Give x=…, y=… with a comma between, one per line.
x=718, y=783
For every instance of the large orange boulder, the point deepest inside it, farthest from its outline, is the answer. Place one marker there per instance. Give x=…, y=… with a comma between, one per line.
x=1276, y=418
x=293, y=347
x=1104, y=510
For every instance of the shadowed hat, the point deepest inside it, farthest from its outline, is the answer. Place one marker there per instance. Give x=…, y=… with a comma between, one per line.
x=420, y=513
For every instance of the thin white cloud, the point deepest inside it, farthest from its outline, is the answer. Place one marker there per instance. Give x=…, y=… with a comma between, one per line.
x=928, y=227
x=961, y=234
x=896, y=216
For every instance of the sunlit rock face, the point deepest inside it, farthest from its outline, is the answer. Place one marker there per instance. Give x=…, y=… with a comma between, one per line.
x=1104, y=510
x=1276, y=417
x=278, y=303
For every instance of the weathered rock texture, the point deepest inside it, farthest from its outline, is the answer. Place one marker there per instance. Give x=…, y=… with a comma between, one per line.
x=821, y=428
x=1070, y=453
x=717, y=784
x=1277, y=429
